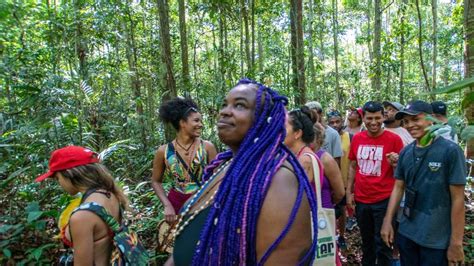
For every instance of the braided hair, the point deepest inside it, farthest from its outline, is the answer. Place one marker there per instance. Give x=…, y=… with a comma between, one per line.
x=229, y=235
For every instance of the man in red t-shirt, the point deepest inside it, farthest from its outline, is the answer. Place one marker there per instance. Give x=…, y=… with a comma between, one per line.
x=373, y=157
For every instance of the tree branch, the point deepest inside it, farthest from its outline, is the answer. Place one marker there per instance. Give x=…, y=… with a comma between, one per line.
x=388, y=5
x=420, y=47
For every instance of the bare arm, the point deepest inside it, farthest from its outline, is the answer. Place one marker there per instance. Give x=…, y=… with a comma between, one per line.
x=157, y=183
x=211, y=150
x=350, y=184
x=307, y=164
x=170, y=261
x=274, y=216
x=331, y=170
x=455, y=249
x=81, y=226
x=387, y=232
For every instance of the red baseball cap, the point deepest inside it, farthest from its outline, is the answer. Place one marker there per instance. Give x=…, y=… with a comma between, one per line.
x=358, y=110
x=68, y=157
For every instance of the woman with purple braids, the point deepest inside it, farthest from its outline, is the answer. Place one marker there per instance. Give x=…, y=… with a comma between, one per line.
x=256, y=204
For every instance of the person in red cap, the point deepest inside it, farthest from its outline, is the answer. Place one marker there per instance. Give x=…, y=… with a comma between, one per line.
x=354, y=121
x=77, y=169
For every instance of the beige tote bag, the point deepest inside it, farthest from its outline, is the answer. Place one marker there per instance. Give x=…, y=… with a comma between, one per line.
x=326, y=252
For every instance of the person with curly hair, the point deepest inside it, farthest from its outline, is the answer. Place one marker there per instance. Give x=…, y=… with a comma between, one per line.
x=183, y=159
x=256, y=204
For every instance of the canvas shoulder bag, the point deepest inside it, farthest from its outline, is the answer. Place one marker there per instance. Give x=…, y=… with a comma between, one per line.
x=326, y=246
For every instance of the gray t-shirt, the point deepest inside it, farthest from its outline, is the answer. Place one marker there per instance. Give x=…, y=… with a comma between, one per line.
x=441, y=164
x=332, y=143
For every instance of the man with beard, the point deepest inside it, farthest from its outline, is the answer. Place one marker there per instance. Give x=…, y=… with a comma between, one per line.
x=373, y=156
x=432, y=174
x=394, y=125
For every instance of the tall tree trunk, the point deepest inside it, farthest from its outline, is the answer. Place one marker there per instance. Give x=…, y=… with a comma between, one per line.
x=336, y=52
x=368, y=16
x=253, y=34
x=168, y=77
x=243, y=10
x=297, y=45
x=403, y=8
x=222, y=50
x=420, y=46
x=131, y=51
x=377, y=79
x=434, y=10
x=320, y=28
x=293, y=47
x=469, y=66
x=300, y=51
x=311, y=72
x=183, y=40
x=241, y=47
x=80, y=42
x=261, y=58
x=81, y=52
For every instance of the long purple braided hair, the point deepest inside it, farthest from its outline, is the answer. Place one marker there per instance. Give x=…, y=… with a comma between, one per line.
x=229, y=235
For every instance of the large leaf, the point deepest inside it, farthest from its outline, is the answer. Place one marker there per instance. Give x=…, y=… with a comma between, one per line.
x=33, y=216
x=13, y=176
x=37, y=252
x=7, y=253
x=457, y=86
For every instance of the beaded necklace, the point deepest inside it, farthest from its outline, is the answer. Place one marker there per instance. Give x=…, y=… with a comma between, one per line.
x=189, y=159
x=195, y=197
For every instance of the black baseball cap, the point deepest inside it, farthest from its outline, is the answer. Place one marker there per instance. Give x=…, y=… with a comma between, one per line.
x=372, y=107
x=439, y=107
x=414, y=108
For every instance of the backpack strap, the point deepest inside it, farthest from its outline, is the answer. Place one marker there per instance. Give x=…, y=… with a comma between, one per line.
x=100, y=211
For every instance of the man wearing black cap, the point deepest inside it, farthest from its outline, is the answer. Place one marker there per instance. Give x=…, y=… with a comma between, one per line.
x=439, y=112
x=371, y=179
x=432, y=174
x=394, y=125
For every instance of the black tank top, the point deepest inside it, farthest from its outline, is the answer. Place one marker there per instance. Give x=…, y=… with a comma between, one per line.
x=185, y=242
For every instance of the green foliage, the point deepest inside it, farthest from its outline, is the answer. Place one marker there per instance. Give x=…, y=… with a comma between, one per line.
x=455, y=87
x=65, y=78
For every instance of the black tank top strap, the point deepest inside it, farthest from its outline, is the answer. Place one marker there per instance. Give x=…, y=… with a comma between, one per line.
x=95, y=190
x=288, y=168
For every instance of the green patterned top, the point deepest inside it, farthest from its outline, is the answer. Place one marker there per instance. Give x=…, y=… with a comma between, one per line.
x=176, y=172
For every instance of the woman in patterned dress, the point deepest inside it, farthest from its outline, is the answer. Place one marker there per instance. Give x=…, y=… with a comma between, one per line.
x=182, y=160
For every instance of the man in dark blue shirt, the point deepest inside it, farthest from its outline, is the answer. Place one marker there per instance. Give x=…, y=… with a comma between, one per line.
x=433, y=176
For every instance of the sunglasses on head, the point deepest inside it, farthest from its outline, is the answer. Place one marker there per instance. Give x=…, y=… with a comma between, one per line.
x=333, y=113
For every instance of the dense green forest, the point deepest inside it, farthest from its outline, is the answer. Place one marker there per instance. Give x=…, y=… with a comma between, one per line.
x=93, y=73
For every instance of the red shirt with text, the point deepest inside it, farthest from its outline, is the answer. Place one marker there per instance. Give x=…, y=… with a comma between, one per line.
x=374, y=178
